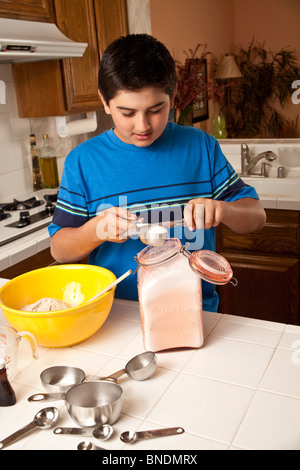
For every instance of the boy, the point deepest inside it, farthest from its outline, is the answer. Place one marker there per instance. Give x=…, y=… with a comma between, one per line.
x=143, y=165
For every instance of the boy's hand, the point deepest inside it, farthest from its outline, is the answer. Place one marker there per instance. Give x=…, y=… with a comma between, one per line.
x=204, y=211
x=113, y=223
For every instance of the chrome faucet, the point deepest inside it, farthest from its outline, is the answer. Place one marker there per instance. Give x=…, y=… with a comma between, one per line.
x=245, y=158
x=248, y=164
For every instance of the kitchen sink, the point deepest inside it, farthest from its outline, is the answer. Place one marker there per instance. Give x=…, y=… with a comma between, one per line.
x=274, y=186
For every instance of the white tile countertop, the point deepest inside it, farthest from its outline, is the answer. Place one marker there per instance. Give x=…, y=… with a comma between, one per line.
x=241, y=390
x=21, y=249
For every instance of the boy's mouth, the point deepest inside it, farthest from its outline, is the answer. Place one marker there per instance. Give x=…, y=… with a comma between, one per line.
x=143, y=136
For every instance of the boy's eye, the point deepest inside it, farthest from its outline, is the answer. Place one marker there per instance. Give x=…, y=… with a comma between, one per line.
x=150, y=111
x=156, y=111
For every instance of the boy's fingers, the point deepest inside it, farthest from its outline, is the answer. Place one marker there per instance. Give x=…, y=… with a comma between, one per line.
x=125, y=213
x=188, y=216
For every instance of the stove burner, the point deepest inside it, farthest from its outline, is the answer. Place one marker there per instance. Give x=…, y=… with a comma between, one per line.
x=3, y=215
x=22, y=205
x=51, y=197
x=24, y=219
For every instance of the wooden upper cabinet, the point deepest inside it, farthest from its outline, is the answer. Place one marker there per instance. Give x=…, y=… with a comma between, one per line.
x=117, y=25
x=69, y=86
x=80, y=74
x=30, y=10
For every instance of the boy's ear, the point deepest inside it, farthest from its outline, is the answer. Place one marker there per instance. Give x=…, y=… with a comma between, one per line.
x=106, y=107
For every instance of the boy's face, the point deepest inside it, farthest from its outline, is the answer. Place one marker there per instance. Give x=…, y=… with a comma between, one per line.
x=139, y=117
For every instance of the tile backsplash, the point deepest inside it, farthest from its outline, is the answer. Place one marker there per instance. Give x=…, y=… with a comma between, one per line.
x=15, y=172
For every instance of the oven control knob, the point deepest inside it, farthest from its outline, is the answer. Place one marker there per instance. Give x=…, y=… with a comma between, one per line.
x=24, y=219
x=49, y=208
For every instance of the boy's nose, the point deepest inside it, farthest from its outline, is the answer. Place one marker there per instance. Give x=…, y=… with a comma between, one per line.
x=142, y=123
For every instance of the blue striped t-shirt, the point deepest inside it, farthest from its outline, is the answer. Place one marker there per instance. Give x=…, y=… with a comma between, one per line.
x=154, y=181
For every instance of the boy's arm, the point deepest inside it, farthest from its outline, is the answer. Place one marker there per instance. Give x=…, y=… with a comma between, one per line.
x=242, y=216
x=71, y=244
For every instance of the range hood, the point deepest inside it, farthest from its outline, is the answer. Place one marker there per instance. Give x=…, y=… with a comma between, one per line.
x=30, y=41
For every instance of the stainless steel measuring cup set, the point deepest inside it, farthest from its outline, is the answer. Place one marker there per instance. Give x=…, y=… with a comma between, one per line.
x=96, y=402
x=62, y=378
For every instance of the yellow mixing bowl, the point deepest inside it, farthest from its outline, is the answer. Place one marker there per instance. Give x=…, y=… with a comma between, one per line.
x=74, y=284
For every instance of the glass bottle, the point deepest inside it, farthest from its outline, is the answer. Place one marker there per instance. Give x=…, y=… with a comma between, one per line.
x=37, y=179
x=219, y=124
x=7, y=394
x=48, y=163
x=170, y=293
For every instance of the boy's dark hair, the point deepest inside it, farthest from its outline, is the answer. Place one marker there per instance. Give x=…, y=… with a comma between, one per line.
x=134, y=62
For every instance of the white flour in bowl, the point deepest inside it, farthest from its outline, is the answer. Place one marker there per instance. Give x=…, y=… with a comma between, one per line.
x=47, y=304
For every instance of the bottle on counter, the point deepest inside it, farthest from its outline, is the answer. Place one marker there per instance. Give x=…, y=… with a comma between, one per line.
x=36, y=170
x=48, y=164
x=7, y=394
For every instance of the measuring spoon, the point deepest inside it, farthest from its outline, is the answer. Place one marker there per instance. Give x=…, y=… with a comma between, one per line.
x=87, y=445
x=155, y=234
x=140, y=367
x=102, y=432
x=129, y=437
x=44, y=419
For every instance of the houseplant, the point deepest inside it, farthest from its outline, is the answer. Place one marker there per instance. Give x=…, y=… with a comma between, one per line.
x=266, y=80
x=193, y=86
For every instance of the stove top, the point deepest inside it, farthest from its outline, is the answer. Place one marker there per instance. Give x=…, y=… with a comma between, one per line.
x=22, y=217
x=21, y=205
x=3, y=215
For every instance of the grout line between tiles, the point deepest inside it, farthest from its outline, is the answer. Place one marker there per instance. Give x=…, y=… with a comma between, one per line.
x=243, y=417
x=213, y=326
x=257, y=389
x=244, y=341
x=213, y=379
x=248, y=408
x=281, y=394
x=243, y=321
x=271, y=358
x=162, y=395
x=202, y=436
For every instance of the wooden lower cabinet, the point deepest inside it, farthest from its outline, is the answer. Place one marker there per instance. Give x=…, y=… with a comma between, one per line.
x=40, y=260
x=266, y=265
x=267, y=288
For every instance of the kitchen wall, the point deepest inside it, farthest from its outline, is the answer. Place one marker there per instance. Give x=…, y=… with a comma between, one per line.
x=222, y=24
x=182, y=25
x=15, y=161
